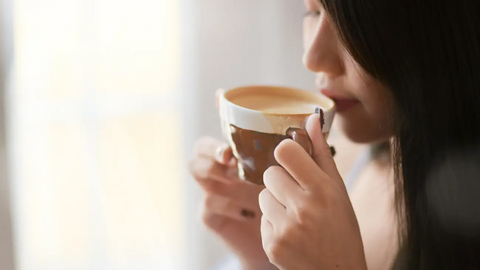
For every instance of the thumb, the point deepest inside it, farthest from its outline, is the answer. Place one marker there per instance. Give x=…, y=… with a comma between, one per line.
x=321, y=153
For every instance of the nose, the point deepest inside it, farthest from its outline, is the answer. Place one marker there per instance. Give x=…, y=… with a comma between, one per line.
x=323, y=50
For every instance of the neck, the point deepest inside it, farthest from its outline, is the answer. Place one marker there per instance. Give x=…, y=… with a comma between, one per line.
x=381, y=154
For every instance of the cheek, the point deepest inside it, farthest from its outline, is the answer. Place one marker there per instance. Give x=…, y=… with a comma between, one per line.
x=372, y=120
x=373, y=95
x=377, y=110
x=375, y=99
x=376, y=103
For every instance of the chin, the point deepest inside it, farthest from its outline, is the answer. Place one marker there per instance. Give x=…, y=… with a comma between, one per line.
x=359, y=129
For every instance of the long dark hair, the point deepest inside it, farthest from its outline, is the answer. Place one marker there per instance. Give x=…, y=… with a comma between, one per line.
x=427, y=53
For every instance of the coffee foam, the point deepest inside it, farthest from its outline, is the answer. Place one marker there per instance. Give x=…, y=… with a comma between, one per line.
x=278, y=100
x=275, y=104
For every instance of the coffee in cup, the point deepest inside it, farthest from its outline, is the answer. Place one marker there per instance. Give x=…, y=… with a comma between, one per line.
x=255, y=119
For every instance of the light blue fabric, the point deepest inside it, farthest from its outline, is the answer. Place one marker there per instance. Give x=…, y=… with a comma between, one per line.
x=357, y=168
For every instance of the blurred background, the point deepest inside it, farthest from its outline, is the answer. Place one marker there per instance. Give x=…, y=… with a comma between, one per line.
x=101, y=102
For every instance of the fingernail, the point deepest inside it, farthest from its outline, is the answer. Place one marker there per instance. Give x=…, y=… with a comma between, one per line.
x=247, y=213
x=232, y=162
x=333, y=151
x=219, y=153
x=232, y=173
x=321, y=116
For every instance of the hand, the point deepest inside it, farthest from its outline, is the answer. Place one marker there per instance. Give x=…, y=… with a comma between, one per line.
x=308, y=221
x=230, y=208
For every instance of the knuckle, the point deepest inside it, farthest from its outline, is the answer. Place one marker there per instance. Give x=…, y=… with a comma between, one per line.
x=275, y=250
x=201, y=167
x=217, y=205
x=302, y=213
x=205, y=215
x=213, y=220
x=271, y=174
x=208, y=219
x=208, y=202
x=289, y=230
x=283, y=148
x=263, y=195
x=273, y=171
x=268, y=172
x=212, y=186
x=211, y=212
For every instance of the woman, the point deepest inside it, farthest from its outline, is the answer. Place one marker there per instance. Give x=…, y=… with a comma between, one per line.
x=399, y=70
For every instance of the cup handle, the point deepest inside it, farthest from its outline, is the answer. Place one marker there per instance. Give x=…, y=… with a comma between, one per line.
x=301, y=137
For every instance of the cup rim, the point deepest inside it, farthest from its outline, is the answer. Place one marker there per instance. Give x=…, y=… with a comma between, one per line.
x=330, y=102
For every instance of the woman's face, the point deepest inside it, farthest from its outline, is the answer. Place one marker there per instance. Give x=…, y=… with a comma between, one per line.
x=362, y=102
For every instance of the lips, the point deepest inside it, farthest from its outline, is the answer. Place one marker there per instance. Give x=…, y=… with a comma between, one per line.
x=341, y=103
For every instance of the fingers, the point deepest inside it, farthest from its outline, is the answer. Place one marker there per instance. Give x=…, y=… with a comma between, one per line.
x=210, y=170
x=279, y=182
x=228, y=200
x=298, y=164
x=213, y=221
x=224, y=155
x=218, y=205
x=214, y=149
x=321, y=151
x=271, y=209
x=226, y=194
x=308, y=171
x=266, y=229
x=243, y=193
x=222, y=180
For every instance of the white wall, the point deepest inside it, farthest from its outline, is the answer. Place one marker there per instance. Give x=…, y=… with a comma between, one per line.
x=248, y=42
